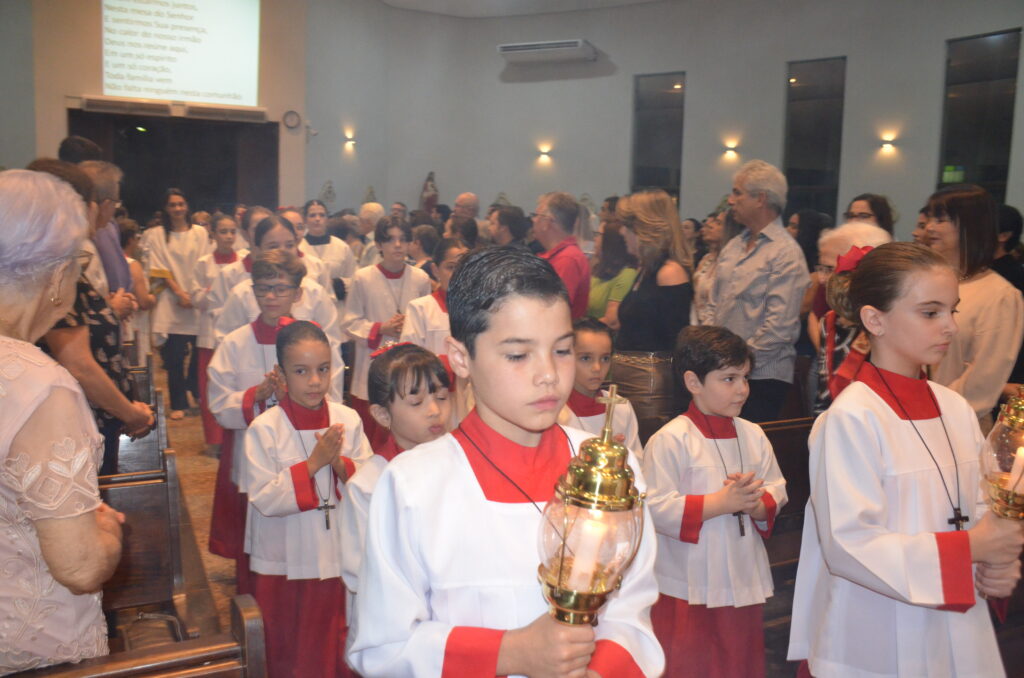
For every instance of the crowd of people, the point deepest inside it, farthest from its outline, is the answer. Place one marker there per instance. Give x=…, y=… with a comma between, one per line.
x=320, y=348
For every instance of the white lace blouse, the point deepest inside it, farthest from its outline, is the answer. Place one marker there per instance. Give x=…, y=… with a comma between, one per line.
x=52, y=476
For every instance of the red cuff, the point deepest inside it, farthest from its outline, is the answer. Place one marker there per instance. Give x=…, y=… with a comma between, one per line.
x=448, y=368
x=249, y=405
x=693, y=518
x=471, y=652
x=373, y=341
x=772, y=508
x=611, y=660
x=955, y=567
x=305, y=495
x=1000, y=607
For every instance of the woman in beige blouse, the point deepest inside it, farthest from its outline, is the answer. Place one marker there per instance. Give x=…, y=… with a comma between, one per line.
x=60, y=541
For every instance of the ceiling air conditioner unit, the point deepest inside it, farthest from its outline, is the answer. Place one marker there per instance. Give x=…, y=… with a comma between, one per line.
x=104, y=104
x=548, y=51
x=233, y=113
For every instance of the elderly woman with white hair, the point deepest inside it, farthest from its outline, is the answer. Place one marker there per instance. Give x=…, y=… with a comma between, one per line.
x=842, y=348
x=61, y=542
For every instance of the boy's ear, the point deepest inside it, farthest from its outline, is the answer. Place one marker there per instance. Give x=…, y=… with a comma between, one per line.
x=692, y=382
x=873, y=320
x=458, y=357
x=380, y=415
x=298, y=294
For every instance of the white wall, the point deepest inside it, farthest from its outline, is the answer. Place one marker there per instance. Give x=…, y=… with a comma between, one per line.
x=425, y=92
x=17, y=106
x=66, y=63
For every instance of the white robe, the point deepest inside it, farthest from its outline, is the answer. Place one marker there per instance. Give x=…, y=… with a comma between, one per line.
x=285, y=535
x=336, y=255
x=206, y=274
x=440, y=555
x=177, y=258
x=872, y=568
x=372, y=300
x=623, y=421
x=236, y=369
x=241, y=309
x=722, y=568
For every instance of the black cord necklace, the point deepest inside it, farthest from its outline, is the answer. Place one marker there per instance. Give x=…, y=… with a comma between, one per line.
x=324, y=506
x=958, y=518
x=725, y=469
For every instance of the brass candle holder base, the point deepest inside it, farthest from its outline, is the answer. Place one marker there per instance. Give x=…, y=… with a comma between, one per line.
x=1005, y=502
x=572, y=607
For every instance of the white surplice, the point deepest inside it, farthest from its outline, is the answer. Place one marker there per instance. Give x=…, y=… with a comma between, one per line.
x=285, y=533
x=623, y=421
x=440, y=555
x=207, y=272
x=709, y=562
x=878, y=558
x=374, y=299
x=174, y=257
x=336, y=255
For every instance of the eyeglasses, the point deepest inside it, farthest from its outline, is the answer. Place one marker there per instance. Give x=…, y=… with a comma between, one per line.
x=278, y=290
x=84, y=258
x=858, y=216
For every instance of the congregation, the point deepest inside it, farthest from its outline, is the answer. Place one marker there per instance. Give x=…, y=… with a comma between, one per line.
x=319, y=347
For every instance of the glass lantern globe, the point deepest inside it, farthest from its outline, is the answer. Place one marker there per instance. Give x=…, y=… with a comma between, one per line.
x=1003, y=460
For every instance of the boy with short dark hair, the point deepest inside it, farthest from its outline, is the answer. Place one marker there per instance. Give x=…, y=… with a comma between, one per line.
x=713, y=480
x=449, y=581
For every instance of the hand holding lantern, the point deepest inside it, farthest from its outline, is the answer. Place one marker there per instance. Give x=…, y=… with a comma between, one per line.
x=592, y=527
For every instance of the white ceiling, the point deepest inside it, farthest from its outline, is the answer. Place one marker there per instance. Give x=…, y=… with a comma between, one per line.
x=477, y=9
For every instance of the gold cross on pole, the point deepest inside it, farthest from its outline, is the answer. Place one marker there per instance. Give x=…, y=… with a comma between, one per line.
x=611, y=400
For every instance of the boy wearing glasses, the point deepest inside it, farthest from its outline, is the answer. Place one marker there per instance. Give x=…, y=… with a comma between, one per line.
x=242, y=384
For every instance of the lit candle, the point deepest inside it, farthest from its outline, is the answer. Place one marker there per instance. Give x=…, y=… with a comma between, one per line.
x=584, y=562
x=1017, y=472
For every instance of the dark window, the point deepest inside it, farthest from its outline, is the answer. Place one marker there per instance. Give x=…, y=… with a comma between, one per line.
x=977, y=115
x=658, y=131
x=814, y=133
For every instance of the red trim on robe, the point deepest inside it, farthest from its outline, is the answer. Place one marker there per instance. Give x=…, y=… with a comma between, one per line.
x=305, y=495
x=772, y=508
x=709, y=642
x=390, y=449
x=693, y=518
x=305, y=418
x=711, y=426
x=1000, y=607
x=441, y=297
x=266, y=335
x=373, y=341
x=222, y=259
x=249, y=403
x=955, y=567
x=612, y=660
x=227, y=516
x=912, y=396
x=391, y=275
x=350, y=470
x=535, y=469
x=471, y=652
x=247, y=263
x=583, y=405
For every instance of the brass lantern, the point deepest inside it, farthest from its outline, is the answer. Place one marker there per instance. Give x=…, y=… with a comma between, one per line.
x=1003, y=462
x=591, y=528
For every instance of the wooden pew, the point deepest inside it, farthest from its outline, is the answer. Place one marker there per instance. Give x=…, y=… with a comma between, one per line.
x=238, y=654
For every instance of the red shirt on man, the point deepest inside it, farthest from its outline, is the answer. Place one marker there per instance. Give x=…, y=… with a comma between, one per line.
x=573, y=268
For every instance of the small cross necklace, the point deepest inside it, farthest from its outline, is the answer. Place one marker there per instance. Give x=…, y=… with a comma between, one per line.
x=725, y=469
x=324, y=506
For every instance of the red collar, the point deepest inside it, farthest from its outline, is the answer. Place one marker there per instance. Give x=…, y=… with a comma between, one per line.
x=441, y=296
x=534, y=469
x=388, y=274
x=908, y=396
x=247, y=262
x=390, y=449
x=568, y=242
x=584, y=406
x=711, y=426
x=229, y=258
x=305, y=419
x=265, y=334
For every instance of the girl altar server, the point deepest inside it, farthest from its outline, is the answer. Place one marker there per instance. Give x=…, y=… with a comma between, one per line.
x=426, y=322
x=715, y=489
x=592, y=345
x=225, y=232
x=298, y=457
x=242, y=383
x=409, y=397
x=333, y=252
x=897, y=541
x=175, y=248
x=240, y=307
x=376, y=309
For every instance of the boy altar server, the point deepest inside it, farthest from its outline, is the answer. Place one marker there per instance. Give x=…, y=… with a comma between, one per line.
x=449, y=579
x=714, y=491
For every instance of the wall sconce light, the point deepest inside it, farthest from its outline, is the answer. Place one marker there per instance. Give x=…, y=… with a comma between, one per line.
x=350, y=139
x=678, y=85
x=730, y=148
x=888, y=145
x=545, y=154
x=792, y=81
